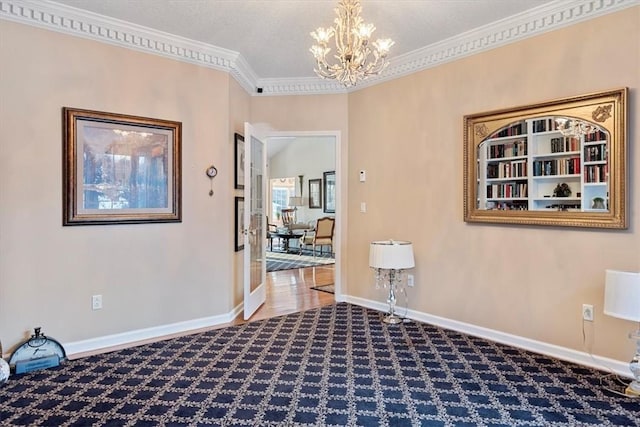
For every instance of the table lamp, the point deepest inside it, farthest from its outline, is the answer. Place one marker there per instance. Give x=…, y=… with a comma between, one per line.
x=622, y=300
x=389, y=258
x=295, y=201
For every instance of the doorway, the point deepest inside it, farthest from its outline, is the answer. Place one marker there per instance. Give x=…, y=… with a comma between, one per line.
x=295, y=154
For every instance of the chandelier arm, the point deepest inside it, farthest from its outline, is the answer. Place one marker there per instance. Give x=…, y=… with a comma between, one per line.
x=377, y=65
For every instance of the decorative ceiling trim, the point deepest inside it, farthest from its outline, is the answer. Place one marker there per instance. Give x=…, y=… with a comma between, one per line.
x=80, y=23
x=76, y=22
x=300, y=86
x=536, y=21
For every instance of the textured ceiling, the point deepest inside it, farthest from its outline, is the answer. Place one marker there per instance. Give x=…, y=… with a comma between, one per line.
x=273, y=35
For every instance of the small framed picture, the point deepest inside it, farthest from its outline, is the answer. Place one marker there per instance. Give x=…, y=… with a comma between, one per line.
x=315, y=193
x=239, y=240
x=239, y=158
x=329, y=191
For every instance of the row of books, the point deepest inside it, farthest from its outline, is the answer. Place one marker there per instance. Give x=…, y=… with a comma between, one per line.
x=516, y=168
x=569, y=166
x=507, y=191
x=595, y=153
x=595, y=136
x=565, y=144
x=508, y=206
x=544, y=125
x=596, y=173
x=509, y=149
x=513, y=130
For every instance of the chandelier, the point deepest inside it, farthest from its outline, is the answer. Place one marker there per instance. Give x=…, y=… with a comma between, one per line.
x=356, y=58
x=575, y=128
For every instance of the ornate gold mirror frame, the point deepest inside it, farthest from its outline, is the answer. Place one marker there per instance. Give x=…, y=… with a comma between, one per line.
x=560, y=162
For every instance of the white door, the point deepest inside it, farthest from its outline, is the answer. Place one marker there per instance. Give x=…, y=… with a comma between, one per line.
x=255, y=266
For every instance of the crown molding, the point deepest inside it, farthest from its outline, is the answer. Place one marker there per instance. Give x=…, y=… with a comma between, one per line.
x=80, y=23
x=536, y=21
x=300, y=86
x=61, y=18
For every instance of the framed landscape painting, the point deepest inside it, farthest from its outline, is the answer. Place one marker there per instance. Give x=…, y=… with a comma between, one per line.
x=120, y=169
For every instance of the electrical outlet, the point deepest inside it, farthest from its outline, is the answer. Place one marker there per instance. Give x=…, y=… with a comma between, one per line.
x=410, y=281
x=96, y=302
x=587, y=312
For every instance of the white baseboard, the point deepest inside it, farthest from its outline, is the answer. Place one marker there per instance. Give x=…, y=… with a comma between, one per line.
x=126, y=339
x=562, y=353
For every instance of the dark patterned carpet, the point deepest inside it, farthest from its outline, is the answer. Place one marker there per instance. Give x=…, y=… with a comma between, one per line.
x=338, y=365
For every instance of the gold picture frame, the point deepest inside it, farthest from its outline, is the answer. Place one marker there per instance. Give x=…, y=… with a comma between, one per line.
x=557, y=163
x=120, y=169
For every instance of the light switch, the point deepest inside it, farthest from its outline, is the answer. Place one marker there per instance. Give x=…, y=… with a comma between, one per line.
x=363, y=207
x=363, y=176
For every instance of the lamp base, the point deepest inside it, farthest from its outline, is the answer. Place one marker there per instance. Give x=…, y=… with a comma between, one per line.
x=633, y=389
x=392, y=319
x=631, y=392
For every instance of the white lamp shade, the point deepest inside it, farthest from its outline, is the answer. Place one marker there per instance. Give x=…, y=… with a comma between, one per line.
x=622, y=295
x=296, y=201
x=391, y=255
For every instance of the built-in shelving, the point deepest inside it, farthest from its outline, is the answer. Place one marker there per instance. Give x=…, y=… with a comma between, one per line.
x=530, y=165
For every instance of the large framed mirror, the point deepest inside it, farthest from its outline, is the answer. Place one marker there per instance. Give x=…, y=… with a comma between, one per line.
x=560, y=162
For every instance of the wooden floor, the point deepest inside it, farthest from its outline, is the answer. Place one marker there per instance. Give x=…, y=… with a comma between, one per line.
x=289, y=291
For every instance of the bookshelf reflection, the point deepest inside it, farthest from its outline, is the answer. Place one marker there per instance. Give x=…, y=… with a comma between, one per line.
x=557, y=163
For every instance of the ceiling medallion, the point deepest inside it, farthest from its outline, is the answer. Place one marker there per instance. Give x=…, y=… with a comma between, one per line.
x=356, y=58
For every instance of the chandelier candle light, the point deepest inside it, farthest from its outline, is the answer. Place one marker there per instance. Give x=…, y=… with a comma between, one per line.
x=356, y=57
x=389, y=258
x=575, y=128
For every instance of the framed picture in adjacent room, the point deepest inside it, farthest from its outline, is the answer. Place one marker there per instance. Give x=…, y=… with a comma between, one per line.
x=239, y=160
x=120, y=169
x=329, y=180
x=315, y=193
x=239, y=224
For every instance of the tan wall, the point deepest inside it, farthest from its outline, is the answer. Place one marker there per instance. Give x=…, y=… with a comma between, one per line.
x=302, y=113
x=148, y=274
x=527, y=281
x=239, y=113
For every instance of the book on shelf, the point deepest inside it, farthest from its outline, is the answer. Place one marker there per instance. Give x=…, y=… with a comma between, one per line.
x=507, y=190
x=544, y=125
x=513, y=130
x=512, y=169
x=565, y=144
x=570, y=166
x=595, y=153
x=509, y=149
x=595, y=173
x=595, y=136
